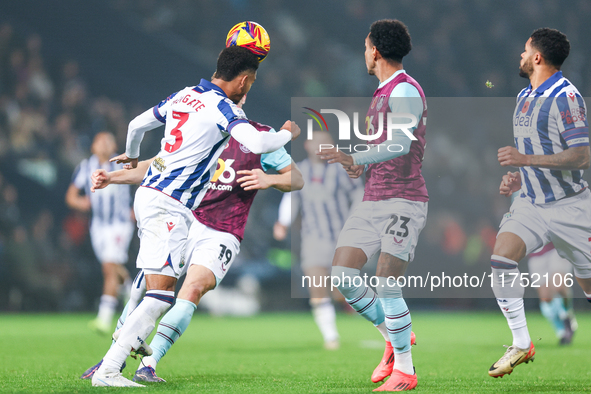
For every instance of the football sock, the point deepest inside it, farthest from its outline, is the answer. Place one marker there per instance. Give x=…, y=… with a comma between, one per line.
x=107, y=307
x=588, y=296
x=552, y=312
x=509, y=294
x=137, y=291
x=137, y=328
x=325, y=318
x=358, y=295
x=398, y=323
x=171, y=327
x=383, y=330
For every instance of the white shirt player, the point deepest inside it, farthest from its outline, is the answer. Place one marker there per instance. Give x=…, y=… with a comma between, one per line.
x=199, y=121
x=109, y=205
x=549, y=120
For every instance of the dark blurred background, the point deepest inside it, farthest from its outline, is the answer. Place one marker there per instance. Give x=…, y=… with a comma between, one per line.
x=69, y=69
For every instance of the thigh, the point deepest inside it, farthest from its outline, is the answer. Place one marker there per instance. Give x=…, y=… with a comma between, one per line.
x=215, y=250
x=360, y=233
x=571, y=232
x=401, y=221
x=525, y=221
x=163, y=229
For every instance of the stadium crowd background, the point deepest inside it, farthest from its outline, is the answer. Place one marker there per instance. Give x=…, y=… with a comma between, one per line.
x=70, y=69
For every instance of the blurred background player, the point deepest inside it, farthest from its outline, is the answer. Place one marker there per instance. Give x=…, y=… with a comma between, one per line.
x=556, y=302
x=111, y=226
x=551, y=150
x=394, y=208
x=324, y=203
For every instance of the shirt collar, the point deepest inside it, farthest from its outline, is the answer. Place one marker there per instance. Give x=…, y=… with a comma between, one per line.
x=207, y=85
x=547, y=83
x=391, y=78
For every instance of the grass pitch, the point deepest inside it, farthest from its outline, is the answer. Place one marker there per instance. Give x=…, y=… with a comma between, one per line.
x=277, y=353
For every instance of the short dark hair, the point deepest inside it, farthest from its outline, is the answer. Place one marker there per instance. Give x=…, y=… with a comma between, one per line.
x=552, y=44
x=234, y=61
x=391, y=38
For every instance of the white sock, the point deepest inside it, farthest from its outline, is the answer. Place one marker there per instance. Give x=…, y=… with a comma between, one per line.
x=107, y=308
x=383, y=330
x=137, y=328
x=148, y=361
x=325, y=318
x=403, y=363
x=515, y=314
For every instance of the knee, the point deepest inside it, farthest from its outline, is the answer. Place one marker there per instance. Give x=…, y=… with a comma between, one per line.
x=193, y=290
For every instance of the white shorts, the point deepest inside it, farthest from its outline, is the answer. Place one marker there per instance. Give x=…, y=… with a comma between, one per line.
x=391, y=225
x=111, y=241
x=212, y=249
x=163, y=229
x=549, y=263
x=316, y=252
x=566, y=223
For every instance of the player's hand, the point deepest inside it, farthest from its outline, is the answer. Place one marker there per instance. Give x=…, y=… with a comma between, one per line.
x=333, y=155
x=510, y=183
x=293, y=128
x=279, y=231
x=510, y=156
x=122, y=158
x=255, y=179
x=354, y=172
x=99, y=179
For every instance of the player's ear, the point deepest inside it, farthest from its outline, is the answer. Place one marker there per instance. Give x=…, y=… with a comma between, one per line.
x=243, y=80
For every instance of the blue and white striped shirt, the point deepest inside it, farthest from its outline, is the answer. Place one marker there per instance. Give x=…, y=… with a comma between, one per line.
x=325, y=200
x=109, y=205
x=546, y=121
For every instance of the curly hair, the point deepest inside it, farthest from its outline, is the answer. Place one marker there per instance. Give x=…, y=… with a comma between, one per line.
x=391, y=38
x=552, y=44
x=234, y=61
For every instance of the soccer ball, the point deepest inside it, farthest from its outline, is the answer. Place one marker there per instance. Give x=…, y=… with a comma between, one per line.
x=251, y=36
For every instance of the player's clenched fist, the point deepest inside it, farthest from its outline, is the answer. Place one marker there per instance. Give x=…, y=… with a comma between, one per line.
x=293, y=128
x=100, y=179
x=122, y=158
x=255, y=179
x=510, y=183
x=354, y=172
x=510, y=156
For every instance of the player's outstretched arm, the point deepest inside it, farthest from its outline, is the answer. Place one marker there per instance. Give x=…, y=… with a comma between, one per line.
x=289, y=179
x=510, y=183
x=128, y=176
x=259, y=142
x=135, y=134
x=577, y=158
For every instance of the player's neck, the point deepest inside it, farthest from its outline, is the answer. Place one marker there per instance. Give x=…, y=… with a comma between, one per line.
x=385, y=70
x=540, y=75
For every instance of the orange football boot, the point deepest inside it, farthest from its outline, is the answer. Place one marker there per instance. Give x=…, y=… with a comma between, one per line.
x=385, y=367
x=399, y=381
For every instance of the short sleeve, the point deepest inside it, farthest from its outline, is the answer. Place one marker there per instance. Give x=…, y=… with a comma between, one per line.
x=571, y=117
x=161, y=109
x=277, y=160
x=231, y=114
x=80, y=176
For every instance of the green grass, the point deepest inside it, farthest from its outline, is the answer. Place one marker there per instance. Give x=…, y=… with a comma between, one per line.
x=276, y=353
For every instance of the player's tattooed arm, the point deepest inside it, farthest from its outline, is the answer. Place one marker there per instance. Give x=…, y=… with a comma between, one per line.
x=576, y=158
x=101, y=178
x=289, y=179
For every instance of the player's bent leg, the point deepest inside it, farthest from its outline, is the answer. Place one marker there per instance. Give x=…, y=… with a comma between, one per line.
x=322, y=307
x=108, y=302
x=137, y=328
x=398, y=322
x=198, y=282
x=508, y=251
